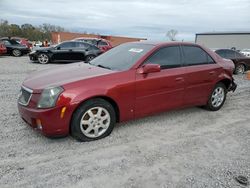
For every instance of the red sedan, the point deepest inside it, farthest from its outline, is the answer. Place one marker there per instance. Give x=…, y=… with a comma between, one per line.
x=129, y=81
x=3, y=49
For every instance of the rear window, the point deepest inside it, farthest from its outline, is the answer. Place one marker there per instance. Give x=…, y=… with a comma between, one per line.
x=194, y=55
x=102, y=43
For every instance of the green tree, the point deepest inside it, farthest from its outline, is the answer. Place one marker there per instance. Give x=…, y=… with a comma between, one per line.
x=28, y=31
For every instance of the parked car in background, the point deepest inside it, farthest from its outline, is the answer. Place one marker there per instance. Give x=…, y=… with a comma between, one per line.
x=245, y=52
x=103, y=45
x=242, y=63
x=14, y=48
x=3, y=49
x=21, y=41
x=69, y=51
x=130, y=81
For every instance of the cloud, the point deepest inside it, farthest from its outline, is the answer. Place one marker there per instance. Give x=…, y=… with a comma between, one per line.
x=138, y=18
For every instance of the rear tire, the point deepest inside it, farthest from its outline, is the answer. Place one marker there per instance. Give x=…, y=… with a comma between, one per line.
x=93, y=120
x=240, y=69
x=217, y=97
x=16, y=53
x=88, y=58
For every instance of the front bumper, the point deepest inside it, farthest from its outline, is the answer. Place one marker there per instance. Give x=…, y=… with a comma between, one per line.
x=48, y=121
x=33, y=56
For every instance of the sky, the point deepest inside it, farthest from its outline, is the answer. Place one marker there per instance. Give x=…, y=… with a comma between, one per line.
x=149, y=19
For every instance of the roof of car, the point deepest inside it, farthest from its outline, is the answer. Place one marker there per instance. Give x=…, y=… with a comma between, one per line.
x=86, y=38
x=76, y=41
x=160, y=43
x=225, y=49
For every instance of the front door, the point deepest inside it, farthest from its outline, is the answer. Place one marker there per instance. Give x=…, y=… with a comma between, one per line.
x=159, y=91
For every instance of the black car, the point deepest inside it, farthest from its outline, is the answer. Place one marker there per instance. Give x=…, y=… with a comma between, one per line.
x=69, y=51
x=14, y=48
x=241, y=62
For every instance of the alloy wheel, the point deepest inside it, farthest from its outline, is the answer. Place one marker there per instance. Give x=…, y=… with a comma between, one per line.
x=240, y=69
x=42, y=58
x=16, y=52
x=218, y=97
x=95, y=122
x=89, y=58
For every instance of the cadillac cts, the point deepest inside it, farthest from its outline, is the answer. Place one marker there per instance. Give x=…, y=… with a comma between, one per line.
x=129, y=81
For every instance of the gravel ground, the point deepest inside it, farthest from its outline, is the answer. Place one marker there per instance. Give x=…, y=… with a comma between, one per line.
x=185, y=148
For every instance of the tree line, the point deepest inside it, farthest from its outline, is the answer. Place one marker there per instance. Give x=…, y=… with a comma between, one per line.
x=33, y=33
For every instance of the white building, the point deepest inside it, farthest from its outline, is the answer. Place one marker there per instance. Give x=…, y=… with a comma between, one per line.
x=215, y=40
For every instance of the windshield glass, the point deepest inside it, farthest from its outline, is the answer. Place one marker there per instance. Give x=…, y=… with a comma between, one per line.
x=122, y=57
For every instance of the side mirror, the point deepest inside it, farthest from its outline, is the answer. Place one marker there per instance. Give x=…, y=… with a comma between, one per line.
x=149, y=68
x=58, y=48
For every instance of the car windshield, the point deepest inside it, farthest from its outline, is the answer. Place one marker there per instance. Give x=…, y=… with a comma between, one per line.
x=122, y=57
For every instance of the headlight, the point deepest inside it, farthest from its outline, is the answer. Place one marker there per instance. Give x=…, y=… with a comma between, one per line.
x=49, y=97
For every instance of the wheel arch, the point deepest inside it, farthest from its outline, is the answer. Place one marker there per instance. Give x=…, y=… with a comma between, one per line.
x=227, y=82
x=240, y=63
x=106, y=98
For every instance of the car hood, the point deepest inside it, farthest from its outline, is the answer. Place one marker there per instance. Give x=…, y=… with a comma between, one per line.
x=59, y=76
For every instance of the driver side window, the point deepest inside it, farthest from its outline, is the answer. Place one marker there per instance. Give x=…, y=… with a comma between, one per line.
x=67, y=45
x=167, y=57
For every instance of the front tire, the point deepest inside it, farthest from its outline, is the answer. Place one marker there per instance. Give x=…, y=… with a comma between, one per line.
x=217, y=97
x=93, y=120
x=43, y=58
x=16, y=53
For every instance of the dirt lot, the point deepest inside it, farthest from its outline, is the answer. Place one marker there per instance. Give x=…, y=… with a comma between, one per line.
x=184, y=148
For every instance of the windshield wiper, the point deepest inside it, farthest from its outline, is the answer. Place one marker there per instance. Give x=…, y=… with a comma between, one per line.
x=103, y=67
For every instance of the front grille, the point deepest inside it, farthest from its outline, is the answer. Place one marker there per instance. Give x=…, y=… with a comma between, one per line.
x=25, y=96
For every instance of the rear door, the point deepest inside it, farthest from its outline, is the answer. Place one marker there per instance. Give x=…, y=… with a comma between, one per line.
x=80, y=50
x=162, y=90
x=201, y=72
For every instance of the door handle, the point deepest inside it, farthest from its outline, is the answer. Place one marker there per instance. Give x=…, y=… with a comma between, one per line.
x=179, y=79
x=70, y=50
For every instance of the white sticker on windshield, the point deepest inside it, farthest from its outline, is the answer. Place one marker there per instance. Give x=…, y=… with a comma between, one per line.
x=137, y=50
